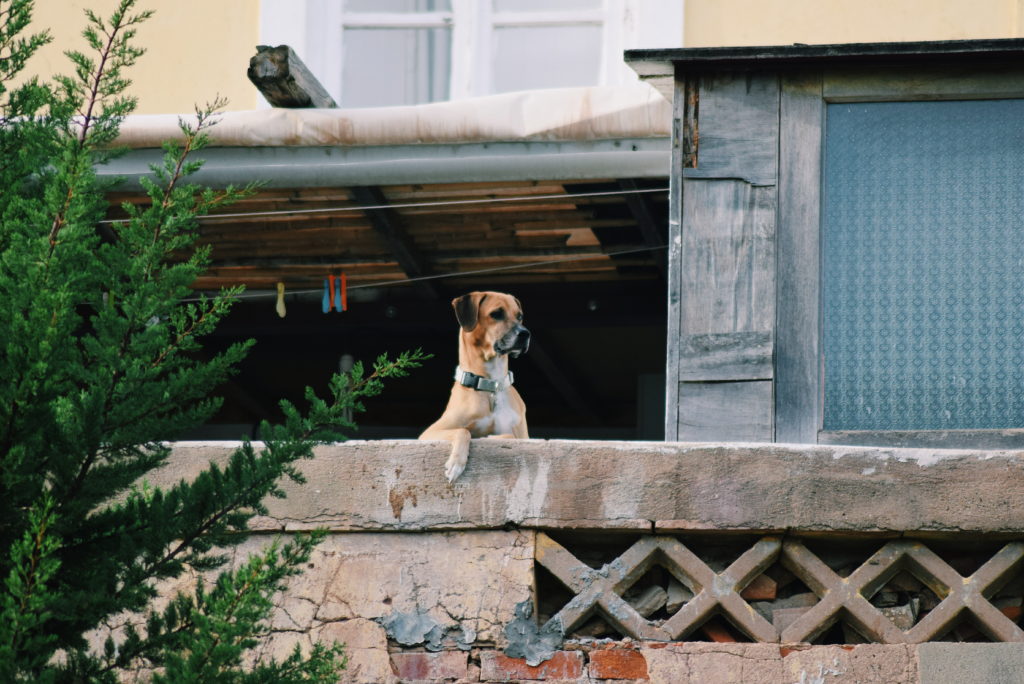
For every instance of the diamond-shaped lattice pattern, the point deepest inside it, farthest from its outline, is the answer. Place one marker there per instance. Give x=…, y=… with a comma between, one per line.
x=857, y=600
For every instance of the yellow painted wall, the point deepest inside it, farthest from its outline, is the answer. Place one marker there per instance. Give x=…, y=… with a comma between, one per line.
x=195, y=49
x=711, y=23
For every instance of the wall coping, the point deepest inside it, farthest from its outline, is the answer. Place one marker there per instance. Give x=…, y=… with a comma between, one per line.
x=669, y=487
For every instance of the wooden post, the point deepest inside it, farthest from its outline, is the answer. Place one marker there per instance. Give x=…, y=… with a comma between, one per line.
x=284, y=80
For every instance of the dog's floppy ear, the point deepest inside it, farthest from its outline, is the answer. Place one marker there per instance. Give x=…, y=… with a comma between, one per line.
x=467, y=309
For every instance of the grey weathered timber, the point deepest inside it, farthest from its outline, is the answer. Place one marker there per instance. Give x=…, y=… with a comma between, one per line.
x=644, y=486
x=726, y=356
x=728, y=279
x=653, y=64
x=964, y=82
x=797, y=359
x=725, y=273
x=738, y=124
x=680, y=155
x=936, y=439
x=284, y=80
x=725, y=411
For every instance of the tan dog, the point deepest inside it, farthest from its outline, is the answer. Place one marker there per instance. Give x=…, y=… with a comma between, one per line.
x=483, y=402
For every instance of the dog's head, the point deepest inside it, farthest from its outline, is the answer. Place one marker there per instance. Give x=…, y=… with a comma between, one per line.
x=493, y=323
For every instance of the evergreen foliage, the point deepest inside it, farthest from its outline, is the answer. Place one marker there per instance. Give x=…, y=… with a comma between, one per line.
x=97, y=373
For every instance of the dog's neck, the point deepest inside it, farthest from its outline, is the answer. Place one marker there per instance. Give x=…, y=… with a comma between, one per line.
x=472, y=361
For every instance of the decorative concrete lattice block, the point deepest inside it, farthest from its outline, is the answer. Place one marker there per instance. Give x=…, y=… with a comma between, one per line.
x=863, y=596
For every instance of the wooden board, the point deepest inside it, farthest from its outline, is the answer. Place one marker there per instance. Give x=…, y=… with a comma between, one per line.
x=682, y=154
x=940, y=82
x=725, y=411
x=738, y=127
x=728, y=257
x=726, y=356
x=797, y=408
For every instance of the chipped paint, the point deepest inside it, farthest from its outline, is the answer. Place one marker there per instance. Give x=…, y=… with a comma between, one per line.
x=532, y=643
x=414, y=629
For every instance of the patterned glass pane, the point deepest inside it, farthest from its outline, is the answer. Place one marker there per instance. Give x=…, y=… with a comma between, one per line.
x=923, y=265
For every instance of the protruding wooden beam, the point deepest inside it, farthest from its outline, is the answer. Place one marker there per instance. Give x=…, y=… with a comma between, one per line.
x=284, y=80
x=388, y=225
x=653, y=235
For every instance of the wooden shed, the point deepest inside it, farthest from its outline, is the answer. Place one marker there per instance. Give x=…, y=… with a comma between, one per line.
x=846, y=227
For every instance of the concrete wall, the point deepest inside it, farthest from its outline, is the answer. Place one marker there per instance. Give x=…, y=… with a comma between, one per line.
x=430, y=582
x=710, y=23
x=195, y=49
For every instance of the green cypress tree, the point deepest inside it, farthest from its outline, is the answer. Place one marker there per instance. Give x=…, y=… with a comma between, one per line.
x=96, y=375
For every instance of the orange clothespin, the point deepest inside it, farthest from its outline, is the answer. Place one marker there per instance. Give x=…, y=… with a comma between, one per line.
x=341, y=303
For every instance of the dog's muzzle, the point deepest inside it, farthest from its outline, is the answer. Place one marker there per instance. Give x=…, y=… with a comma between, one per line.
x=515, y=342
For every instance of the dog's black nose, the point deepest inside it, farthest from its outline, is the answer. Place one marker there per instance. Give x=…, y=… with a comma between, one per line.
x=522, y=338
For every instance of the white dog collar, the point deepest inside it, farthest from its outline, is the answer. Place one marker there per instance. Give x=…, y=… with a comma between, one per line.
x=480, y=383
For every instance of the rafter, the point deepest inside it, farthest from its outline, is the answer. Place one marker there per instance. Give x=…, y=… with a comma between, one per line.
x=388, y=224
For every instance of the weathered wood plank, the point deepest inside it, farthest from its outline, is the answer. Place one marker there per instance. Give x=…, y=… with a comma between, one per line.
x=797, y=364
x=284, y=80
x=932, y=439
x=728, y=264
x=726, y=356
x=939, y=82
x=738, y=127
x=725, y=411
x=675, y=245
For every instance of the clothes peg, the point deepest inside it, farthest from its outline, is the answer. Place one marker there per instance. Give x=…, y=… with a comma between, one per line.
x=281, y=311
x=341, y=295
x=326, y=304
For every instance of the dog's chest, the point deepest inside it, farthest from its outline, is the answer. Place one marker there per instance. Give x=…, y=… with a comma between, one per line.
x=501, y=419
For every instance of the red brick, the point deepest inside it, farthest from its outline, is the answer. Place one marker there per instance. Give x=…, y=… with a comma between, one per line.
x=1012, y=612
x=498, y=667
x=618, y=665
x=717, y=632
x=441, y=665
x=762, y=588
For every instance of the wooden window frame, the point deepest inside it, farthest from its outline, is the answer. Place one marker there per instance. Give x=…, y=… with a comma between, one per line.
x=799, y=390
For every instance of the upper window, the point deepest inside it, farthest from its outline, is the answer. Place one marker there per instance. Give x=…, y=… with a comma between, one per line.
x=374, y=53
x=923, y=265
x=403, y=52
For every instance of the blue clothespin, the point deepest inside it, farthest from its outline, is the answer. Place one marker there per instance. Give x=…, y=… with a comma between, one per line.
x=326, y=304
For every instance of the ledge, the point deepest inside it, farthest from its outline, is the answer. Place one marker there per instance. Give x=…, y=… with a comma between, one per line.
x=644, y=486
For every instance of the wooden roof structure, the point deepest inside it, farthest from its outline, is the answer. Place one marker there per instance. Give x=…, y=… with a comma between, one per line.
x=494, y=233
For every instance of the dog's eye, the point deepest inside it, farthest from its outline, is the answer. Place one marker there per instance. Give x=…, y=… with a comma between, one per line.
x=498, y=314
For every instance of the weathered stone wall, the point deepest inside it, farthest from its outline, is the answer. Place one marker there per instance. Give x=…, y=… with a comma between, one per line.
x=426, y=581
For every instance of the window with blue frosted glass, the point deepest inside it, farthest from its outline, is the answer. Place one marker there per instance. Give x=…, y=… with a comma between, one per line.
x=923, y=265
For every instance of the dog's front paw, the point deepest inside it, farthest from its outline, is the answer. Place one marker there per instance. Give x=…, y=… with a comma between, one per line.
x=453, y=467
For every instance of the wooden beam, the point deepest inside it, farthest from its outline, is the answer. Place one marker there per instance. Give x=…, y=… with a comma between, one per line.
x=652, y=233
x=284, y=80
x=387, y=223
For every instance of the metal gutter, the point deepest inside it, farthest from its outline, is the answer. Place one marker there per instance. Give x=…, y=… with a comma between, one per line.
x=322, y=166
